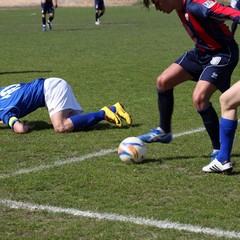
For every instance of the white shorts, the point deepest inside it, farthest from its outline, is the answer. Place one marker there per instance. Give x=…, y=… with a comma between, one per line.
x=59, y=96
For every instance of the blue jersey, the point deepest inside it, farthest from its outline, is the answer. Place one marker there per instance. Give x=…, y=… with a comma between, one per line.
x=204, y=22
x=18, y=100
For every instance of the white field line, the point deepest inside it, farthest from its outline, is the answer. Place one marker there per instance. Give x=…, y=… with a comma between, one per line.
x=121, y=218
x=82, y=158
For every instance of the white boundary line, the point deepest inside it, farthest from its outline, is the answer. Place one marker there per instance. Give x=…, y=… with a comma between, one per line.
x=82, y=158
x=121, y=218
x=58, y=163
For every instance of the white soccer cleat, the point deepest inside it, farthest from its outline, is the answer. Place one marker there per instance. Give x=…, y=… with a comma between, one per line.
x=97, y=22
x=217, y=167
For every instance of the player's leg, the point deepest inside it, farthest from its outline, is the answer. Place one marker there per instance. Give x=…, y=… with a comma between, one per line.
x=66, y=121
x=43, y=7
x=101, y=8
x=51, y=17
x=97, y=21
x=97, y=12
x=216, y=75
x=229, y=102
x=172, y=76
x=43, y=22
x=60, y=121
x=201, y=100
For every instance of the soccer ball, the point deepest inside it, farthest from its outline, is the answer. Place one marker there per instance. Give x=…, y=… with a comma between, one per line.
x=132, y=150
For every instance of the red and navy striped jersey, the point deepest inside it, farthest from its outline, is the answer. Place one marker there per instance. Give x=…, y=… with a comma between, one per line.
x=204, y=21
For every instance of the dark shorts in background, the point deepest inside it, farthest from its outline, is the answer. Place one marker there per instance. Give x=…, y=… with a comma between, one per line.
x=47, y=8
x=99, y=5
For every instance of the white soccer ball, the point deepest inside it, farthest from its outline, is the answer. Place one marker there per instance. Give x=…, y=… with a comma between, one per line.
x=132, y=150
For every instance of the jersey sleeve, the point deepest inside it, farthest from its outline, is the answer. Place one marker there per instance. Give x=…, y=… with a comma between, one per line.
x=11, y=113
x=222, y=12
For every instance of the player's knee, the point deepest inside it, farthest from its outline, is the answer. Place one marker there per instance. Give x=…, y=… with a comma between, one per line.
x=199, y=102
x=163, y=83
x=224, y=101
x=59, y=129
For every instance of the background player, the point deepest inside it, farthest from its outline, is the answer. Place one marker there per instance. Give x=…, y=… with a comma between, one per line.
x=18, y=100
x=235, y=4
x=99, y=10
x=48, y=6
x=210, y=64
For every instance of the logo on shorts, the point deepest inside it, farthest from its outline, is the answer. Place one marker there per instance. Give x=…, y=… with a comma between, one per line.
x=209, y=4
x=215, y=60
x=186, y=17
x=214, y=75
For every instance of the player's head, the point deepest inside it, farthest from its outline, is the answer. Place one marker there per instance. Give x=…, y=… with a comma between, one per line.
x=166, y=6
x=147, y=3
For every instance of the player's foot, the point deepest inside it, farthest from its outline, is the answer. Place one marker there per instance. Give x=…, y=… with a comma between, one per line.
x=112, y=117
x=122, y=113
x=97, y=22
x=156, y=135
x=214, y=154
x=217, y=167
x=49, y=25
x=44, y=29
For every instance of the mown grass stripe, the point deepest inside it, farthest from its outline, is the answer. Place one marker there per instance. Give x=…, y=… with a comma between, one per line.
x=82, y=158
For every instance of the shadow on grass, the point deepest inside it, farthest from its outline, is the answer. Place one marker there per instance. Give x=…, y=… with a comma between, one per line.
x=17, y=72
x=162, y=160
x=108, y=126
x=41, y=125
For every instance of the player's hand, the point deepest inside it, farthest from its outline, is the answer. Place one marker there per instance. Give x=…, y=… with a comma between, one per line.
x=22, y=127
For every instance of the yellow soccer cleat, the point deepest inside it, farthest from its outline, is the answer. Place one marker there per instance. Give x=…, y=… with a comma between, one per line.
x=122, y=113
x=112, y=117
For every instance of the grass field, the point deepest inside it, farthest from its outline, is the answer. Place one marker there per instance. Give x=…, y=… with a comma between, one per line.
x=73, y=186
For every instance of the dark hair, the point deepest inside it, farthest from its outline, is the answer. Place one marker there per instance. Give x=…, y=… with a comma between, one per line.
x=146, y=3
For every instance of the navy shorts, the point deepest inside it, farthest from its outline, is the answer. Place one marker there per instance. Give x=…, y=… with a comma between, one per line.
x=47, y=8
x=216, y=67
x=99, y=5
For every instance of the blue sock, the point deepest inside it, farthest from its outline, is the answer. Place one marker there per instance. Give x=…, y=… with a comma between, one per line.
x=113, y=109
x=82, y=121
x=227, y=133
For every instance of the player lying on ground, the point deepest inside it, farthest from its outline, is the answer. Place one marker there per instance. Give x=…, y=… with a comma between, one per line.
x=210, y=63
x=18, y=100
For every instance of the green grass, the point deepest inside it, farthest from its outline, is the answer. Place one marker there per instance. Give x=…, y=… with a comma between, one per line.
x=117, y=61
